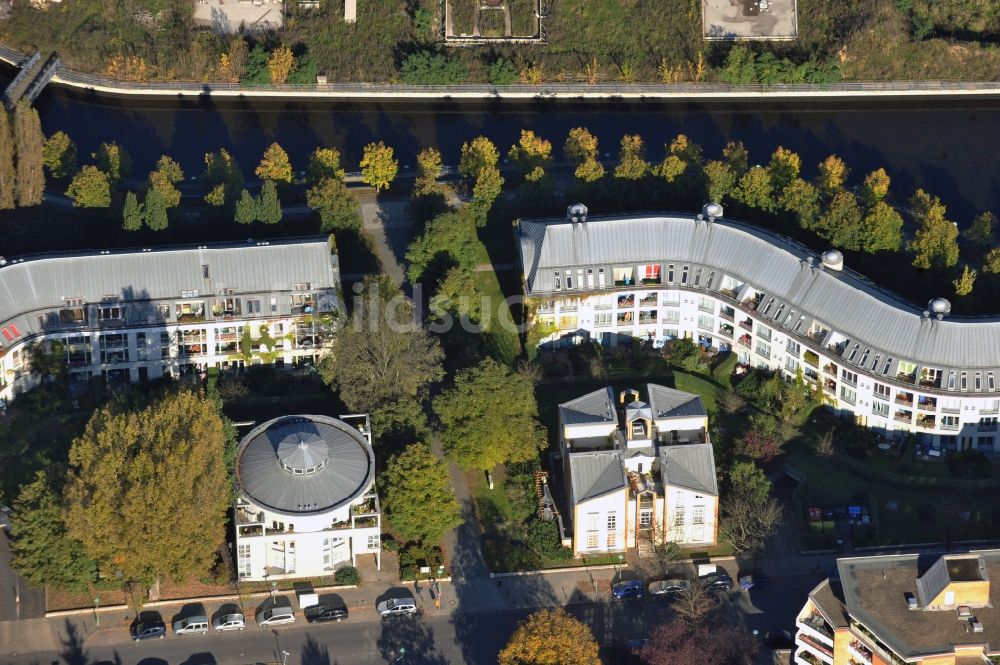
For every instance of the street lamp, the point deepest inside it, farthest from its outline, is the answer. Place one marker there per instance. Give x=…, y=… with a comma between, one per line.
x=402, y=653
x=284, y=657
x=274, y=587
x=621, y=559
x=97, y=616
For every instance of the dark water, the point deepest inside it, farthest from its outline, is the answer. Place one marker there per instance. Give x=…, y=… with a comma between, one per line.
x=949, y=148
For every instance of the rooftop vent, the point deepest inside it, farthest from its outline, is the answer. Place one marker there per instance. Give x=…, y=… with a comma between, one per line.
x=911, y=602
x=833, y=259
x=939, y=307
x=712, y=211
x=576, y=213
x=976, y=625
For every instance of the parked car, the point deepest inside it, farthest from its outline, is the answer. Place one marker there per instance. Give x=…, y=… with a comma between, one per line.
x=779, y=639
x=148, y=628
x=627, y=589
x=280, y=612
x=5, y=517
x=404, y=605
x=752, y=580
x=234, y=621
x=197, y=624
x=668, y=588
x=323, y=613
x=714, y=578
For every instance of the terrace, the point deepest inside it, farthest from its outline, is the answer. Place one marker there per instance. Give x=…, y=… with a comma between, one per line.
x=744, y=340
x=747, y=324
x=926, y=422
x=810, y=358
x=725, y=329
x=903, y=416
x=904, y=398
x=926, y=403
x=728, y=313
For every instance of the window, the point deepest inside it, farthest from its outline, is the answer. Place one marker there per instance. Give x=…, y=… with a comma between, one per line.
x=163, y=312
x=711, y=278
x=11, y=332
x=791, y=365
x=579, y=278
x=880, y=409
x=590, y=277
x=204, y=272
x=885, y=368
x=592, y=521
x=764, y=333
x=373, y=541
x=569, y=279
x=698, y=515
x=301, y=286
x=684, y=275
x=612, y=521
x=600, y=278
x=650, y=273
x=763, y=349
x=556, y=280
x=645, y=518
x=864, y=358
x=848, y=395
x=679, y=517
x=602, y=319
x=697, y=277
x=706, y=322
x=110, y=312
x=965, y=381
x=990, y=382
x=591, y=540
x=670, y=273
x=979, y=381
x=253, y=306
x=192, y=293
x=849, y=377
x=951, y=380
x=243, y=556
x=274, y=305
x=793, y=348
x=624, y=276
x=882, y=390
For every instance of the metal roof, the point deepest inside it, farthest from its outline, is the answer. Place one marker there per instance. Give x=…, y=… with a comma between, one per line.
x=691, y=466
x=777, y=266
x=595, y=474
x=269, y=456
x=672, y=403
x=595, y=407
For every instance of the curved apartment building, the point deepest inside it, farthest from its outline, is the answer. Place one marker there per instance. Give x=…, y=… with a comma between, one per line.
x=777, y=305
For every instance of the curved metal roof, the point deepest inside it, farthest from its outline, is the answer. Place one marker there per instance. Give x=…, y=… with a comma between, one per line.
x=303, y=465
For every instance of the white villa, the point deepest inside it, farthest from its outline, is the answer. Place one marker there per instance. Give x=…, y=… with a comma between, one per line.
x=306, y=502
x=638, y=472
x=729, y=286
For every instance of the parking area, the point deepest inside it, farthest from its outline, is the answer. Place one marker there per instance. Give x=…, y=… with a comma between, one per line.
x=750, y=19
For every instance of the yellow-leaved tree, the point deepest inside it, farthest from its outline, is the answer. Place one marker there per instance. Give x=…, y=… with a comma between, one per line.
x=281, y=64
x=274, y=165
x=551, y=637
x=378, y=165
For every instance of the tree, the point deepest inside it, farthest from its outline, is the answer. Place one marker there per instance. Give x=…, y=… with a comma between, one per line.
x=58, y=154
x=164, y=178
x=502, y=72
x=281, y=64
x=222, y=178
x=41, y=550
x=551, y=637
x=935, y=244
x=90, y=188
x=841, y=223
x=29, y=181
x=274, y=166
x=758, y=446
x=429, y=68
x=991, y=263
x=531, y=154
x=155, y=211
x=875, y=187
x=631, y=165
x=964, y=282
x=323, y=163
x=476, y=156
x=486, y=190
x=749, y=514
x=378, y=166
x=233, y=64
x=8, y=173
x=269, y=207
x=448, y=240
x=755, y=190
x=419, y=500
x=801, y=199
x=832, y=175
x=720, y=180
x=337, y=207
x=783, y=168
x=114, y=161
x=429, y=166
x=132, y=214
x=713, y=640
x=581, y=150
x=980, y=232
x=736, y=156
x=246, y=208
x=881, y=229
x=132, y=471
x=694, y=605
x=381, y=354
x=489, y=417
x=457, y=295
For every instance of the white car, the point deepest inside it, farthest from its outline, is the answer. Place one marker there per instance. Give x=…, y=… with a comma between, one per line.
x=397, y=607
x=229, y=622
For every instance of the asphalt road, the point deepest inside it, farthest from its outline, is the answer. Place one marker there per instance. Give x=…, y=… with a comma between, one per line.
x=473, y=639
x=17, y=599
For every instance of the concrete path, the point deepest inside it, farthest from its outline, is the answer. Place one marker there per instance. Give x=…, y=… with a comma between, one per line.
x=386, y=222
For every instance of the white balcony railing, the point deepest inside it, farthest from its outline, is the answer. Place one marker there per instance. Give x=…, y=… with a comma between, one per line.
x=805, y=643
x=814, y=633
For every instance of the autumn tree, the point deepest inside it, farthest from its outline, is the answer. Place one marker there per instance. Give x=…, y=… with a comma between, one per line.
x=134, y=470
x=90, y=188
x=29, y=181
x=420, y=501
x=132, y=213
x=429, y=166
x=155, y=211
x=41, y=550
x=478, y=154
x=841, y=221
x=531, y=154
x=324, y=163
x=337, y=207
x=274, y=166
x=875, y=187
x=683, y=642
x=581, y=150
x=935, y=243
x=801, y=198
x=551, y=637
x=59, y=155
x=222, y=178
x=485, y=191
x=489, y=417
x=964, y=282
x=631, y=162
x=232, y=64
x=114, y=161
x=881, y=228
x=749, y=514
x=737, y=157
x=755, y=189
x=832, y=176
x=281, y=64
x=783, y=168
x=991, y=262
x=164, y=178
x=131, y=68
x=378, y=166
x=980, y=232
x=720, y=180
x=269, y=207
x=8, y=172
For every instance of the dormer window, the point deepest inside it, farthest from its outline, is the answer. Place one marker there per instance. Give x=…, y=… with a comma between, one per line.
x=556, y=280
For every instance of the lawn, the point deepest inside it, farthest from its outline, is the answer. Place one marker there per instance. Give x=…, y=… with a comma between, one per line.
x=463, y=16
x=491, y=23
x=523, y=22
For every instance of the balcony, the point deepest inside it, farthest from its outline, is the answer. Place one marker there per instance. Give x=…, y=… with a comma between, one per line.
x=813, y=646
x=926, y=403
x=860, y=652
x=906, y=399
x=830, y=386
x=708, y=308
x=926, y=422
x=950, y=409
x=903, y=377
x=989, y=410
x=626, y=302
x=726, y=330
x=805, y=658
x=830, y=369
x=818, y=335
x=647, y=316
x=246, y=516
x=648, y=300
x=747, y=324
x=951, y=426
x=817, y=626
x=744, y=340
x=928, y=381
x=811, y=358
x=838, y=348
x=727, y=313
x=903, y=416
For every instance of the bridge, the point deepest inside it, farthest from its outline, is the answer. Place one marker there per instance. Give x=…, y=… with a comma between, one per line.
x=34, y=73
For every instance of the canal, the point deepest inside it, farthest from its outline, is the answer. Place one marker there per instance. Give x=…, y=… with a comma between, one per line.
x=947, y=147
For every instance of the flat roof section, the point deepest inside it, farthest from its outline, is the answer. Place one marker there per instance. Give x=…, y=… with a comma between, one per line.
x=750, y=19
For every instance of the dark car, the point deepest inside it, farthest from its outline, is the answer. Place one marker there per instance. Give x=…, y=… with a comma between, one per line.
x=779, y=639
x=753, y=581
x=149, y=629
x=669, y=588
x=716, y=580
x=324, y=613
x=627, y=589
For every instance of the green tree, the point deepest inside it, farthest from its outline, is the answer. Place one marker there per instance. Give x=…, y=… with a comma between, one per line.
x=246, y=208
x=964, y=282
x=164, y=178
x=29, y=181
x=631, y=164
x=832, y=175
x=59, y=155
x=531, y=154
x=841, y=222
x=740, y=67
x=222, y=178
x=935, y=243
x=720, y=180
x=382, y=354
x=980, y=233
x=489, y=417
x=502, y=72
x=269, y=207
x=8, y=173
x=551, y=637
x=749, y=514
x=114, y=161
x=477, y=155
x=486, y=190
x=132, y=213
x=429, y=68
x=875, y=187
x=155, y=211
x=448, y=239
x=419, y=500
x=324, y=163
x=132, y=471
x=581, y=150
x=337, y=207
x=735, y=154
x=429, y=166
x=991, y=263
x=41, y=550
x=801, y=199
x=784, y=168
x=378, y=165
x=90, y=188
x=274, y=166
x=457, y=295
x=881, y=229
x=755, y=190
x=47, y=359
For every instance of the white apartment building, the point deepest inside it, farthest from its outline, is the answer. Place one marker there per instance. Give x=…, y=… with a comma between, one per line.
x=638, y=472
x=306, y=501
x=777, y=305
x=134, y=315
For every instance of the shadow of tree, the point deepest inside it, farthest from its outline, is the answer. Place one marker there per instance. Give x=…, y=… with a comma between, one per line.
x=314, y=653
x=72, y=645
x=409, y=640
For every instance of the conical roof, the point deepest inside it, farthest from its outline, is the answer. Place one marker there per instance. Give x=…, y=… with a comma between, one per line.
x=303, y=451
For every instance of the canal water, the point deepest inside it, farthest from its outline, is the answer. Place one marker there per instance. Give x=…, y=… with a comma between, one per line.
x=948, y=147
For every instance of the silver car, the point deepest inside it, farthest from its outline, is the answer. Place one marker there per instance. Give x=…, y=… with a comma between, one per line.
x=669, y=588
x=233, y=621
x=397, y=607
x=276, y=615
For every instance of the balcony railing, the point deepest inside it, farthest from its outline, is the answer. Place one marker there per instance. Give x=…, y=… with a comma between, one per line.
x=814, y=644
x=747, y=325
x=726, y=330
x=811, y=358
x=861, y=652
x=927, y=422
x=744, y=340
x=991, y=410
x=951, y=427
x=905, y=400
x=927, y=403
x=817, y=624
x=906, y=378
x=727, y=313
x=903, y=416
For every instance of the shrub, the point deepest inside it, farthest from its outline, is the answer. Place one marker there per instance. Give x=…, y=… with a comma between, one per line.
x=347, y=576
x=428, y=68
x=969, y=464
x=543, y=537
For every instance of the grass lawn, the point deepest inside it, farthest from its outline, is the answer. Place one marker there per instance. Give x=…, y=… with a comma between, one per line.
x=463, y=16
x=523, y=22
x=491, y=23
x=502, y=340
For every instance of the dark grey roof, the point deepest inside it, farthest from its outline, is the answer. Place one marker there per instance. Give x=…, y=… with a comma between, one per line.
x=671, y=403
x=594, y=474
x=691, y=466
x=595, y=407
x=829, y=598
x=933, y=582
x=269, y=454
x=774, y=265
